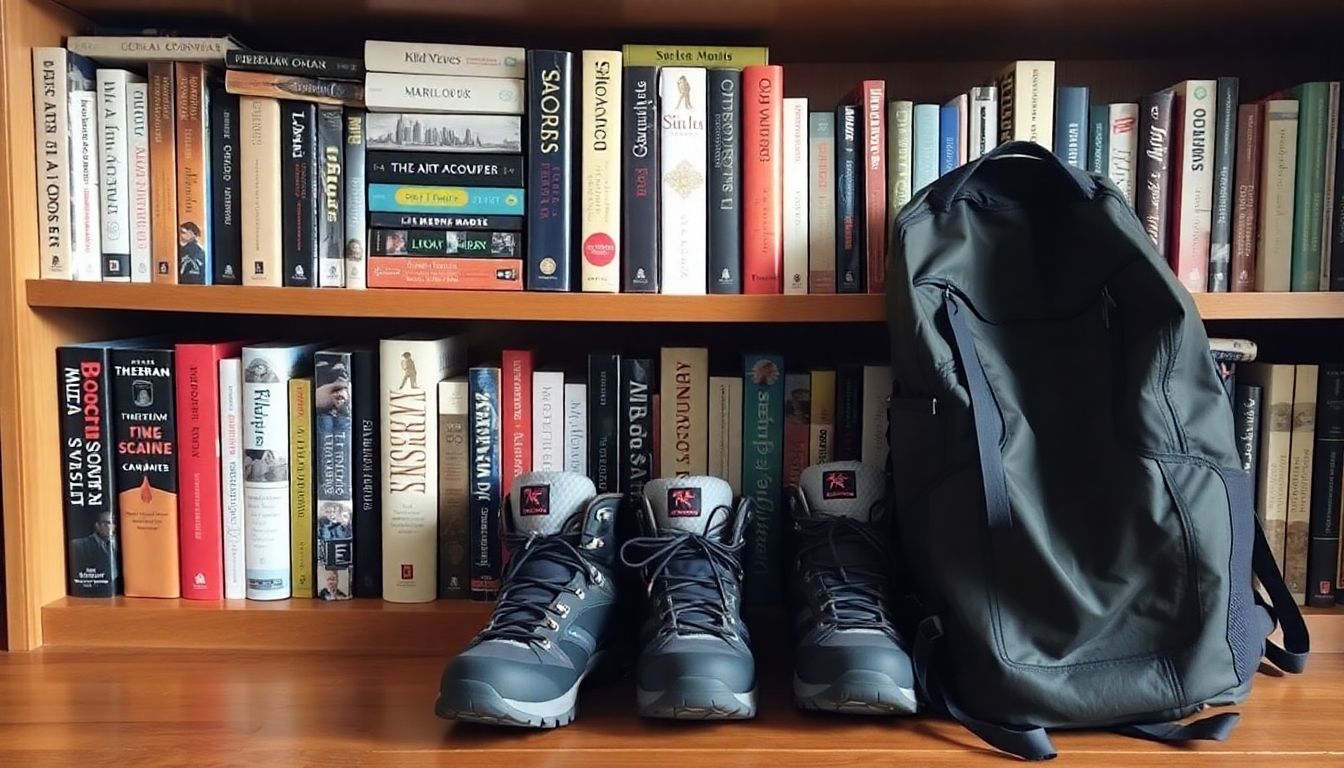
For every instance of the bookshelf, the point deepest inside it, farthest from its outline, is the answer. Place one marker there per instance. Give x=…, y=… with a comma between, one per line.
x=924, y=50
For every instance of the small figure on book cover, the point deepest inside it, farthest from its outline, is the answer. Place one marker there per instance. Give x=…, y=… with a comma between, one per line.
x=264, y=467
x=91, y=554
x=190, y=255
x=354, y=250
x=334, y=521
x=408, y=371
x=683, y=93
x=336, y=585
x=394, y=242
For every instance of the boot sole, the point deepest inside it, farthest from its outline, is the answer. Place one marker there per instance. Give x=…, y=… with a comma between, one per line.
x=475, y=701
x=697, y=698
x=856, y=693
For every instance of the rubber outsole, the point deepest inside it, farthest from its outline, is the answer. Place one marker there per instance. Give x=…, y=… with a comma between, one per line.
x=858, y=692
x=476, y=701
x=697, y=698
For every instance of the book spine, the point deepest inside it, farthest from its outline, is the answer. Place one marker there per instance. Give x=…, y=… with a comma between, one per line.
x=685, y=212
x=821, y=425
x=333, y=473
x=604, y=373
x=576, y=428
x=600, y=231
x=1336, y=241
x=795, y=196
x=821, y=203
x=734, y=56
x=657, y=430
x=872, y=100
x=137, y=99
x=725, y=430
x=259, y=179
x=51, y=135
x=762, y=179
x=1301, y=456
x=297, y=64
x=88, y=485
x=195, y=260
x=225, y=226
x=266, y=474
x=797, y=426
x=900, y=153
x=963, y=112
x=1273, y=263
x=1123, y=147
x=384, y=220
x=299, y=191
x=85, y=221
x=444, y=169
x=925, y=129
x=1194, y=127
x=636, y=440
x=876, y=392
x=1309, y=185
x=272, y=86
x=151, y=48
x=400, y=242
x=1098, y=132
x=366, y=428
x=1225, y=143
x=418, y=132
x=114, y=175
x=1271, y=502
x=848, y=413
x=1328, y=193
x=1247, y=411
x=762, y=427
x=355, y=205
x=949, y=141
x=231, y=477
x=146, y=456
x=444, y=59
x=1071, y=125
x=982, y=131
x=484, y=425
x=406, y=198
x=550, y=196
x=454, y=490
x=199, y=438
x=548, y=421
x=301, y=487
x=1155, y=168
x=1246, y=215
x=725, y=199
x=1027, y=102
x=1327, y=474
x=330, y=180
x=848, y=242
x=434, y=94
x=471, y=273
x=640, y=237
x=685, y=427
x=515, y=415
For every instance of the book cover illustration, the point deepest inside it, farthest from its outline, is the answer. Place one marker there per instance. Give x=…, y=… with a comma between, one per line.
x=333, y=454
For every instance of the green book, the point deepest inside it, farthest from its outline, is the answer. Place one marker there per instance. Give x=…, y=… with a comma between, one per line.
x=1099, y=136
x=1309, y=193
x=762, y=474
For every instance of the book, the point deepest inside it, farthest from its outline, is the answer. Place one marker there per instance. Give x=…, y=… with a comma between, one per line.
x=1123, y=145
x=1274, y=238
x=550, y=196
x=330, y=181
x=636, y=443
x=56, y=73
x=446, y=169
x=366, y=472
x=762, y=179
x=299, y=193
x=848, y=219
x=299, y=64
x=871, y=98
x=725, y=430
x=900, y=152
x=876, y=391
x=1301, y=456
x=463, y=222
x=924, y=134
x=604, y=419
x=762, y=467
x=201, y=492
x=600, y=231
x=1224, y=152
x=454, y=489
x=387, y=92
x=145, y=426
x=1336, y=240
x=1194, y=136
x=301, y=487
x=1271, y=500
x=684, y=144
x=483, y=521
x=485, y=61
x=423, y=242
x=1331, y=182
x=821, y=203
x=1026, y=102
x=417, y=132
x=226, y=243
x=234, y=563
x=195, y=261
x=685, y=417
x=470, y=273
x=331, y=93
x=355, y=205
x=821, y=424
x=409, y=198
x=724, y=92
x=734, y=56
x=262, y=219
x=134, y=49
x=982, y=126
x=1327, y=474
x=1071, y=122
x=848, y=413
x=1154, y=179
x=335, y=454
x=85, y=212
x=1098, y=132
x=1309, y=185
x=267, y=369
x=410, y=369
x=114, y=178
x=515, y=415
x=951, y=139
x=641, y=185
x=797, y=426
x=576, y=427
x=794, y=157
x=548, y=421
x=1246, y=407
x=1246, y=211
x=137, y=149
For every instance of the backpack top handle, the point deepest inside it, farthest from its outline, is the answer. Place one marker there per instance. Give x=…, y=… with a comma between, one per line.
x=946, y=190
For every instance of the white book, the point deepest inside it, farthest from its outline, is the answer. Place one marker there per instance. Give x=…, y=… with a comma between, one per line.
x=410, y=369
x=231, y=476
x=548, y=421
x=576, y=428
x=259, y=190
x=685, y=167
x=725, y=430
x=1027, y=102
x=601, y=162
x=1196, y=103
x=387, y=92
x=1123, y=148
x=876, y=391
x=85, y=222
x=137, y=149
x=114, y=177
x=1278, y=175
x=983, y=126
x=900, y=138
x=134, y=49
x=412, y=132
x=267, y=369
x=821, y=202
x=444, y=59
x=795, y=195
x=55, y=74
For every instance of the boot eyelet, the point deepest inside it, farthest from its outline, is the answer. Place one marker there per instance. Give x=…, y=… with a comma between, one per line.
x=545, y=644
x=603, y=515
x=598, y=578
x=562, y=609
x=579, y=593
x=551, y=625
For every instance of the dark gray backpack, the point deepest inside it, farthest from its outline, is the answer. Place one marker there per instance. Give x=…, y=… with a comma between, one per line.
x=1073, y=516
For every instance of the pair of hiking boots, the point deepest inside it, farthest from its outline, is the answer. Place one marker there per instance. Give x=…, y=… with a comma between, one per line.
x=565, y=599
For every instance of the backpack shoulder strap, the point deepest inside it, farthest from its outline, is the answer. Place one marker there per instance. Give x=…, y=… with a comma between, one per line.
x=1291, y=657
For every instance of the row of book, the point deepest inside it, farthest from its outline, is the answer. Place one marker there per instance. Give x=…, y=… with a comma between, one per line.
x=271, y=470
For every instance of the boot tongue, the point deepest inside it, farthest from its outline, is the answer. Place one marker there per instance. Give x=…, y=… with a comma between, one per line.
x=691, y=503
x=543, y=502
x=844, y=489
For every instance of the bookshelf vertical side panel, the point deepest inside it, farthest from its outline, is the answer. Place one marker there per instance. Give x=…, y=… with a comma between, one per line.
x=34, y=550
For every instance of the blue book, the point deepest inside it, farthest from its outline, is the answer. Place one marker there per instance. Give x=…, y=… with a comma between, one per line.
x=924, y=159
x=1071, y=125
x=483, y=429
x=410, y=198
x=550, y=169
x=1099, y=133
x=763, y=474
x=949, y=138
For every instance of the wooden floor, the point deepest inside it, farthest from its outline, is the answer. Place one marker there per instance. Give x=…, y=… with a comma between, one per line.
x=123, y=708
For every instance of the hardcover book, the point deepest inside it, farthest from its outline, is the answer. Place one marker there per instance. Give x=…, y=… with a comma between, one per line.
x=762, y=466
x=301, y=487
x=1194, y=133
x=299, y=64
x=194, y=252
x=951, y=138
x=900, y=150
x=1154, y=180
x=231, y=477
x=1123, y=148
x=1098, y=132
x=640, y=190
x=924, y=135
x=1247, y=408
x=225, y=225
x=982, y=125
x=870, y=96
x=730, y=56
x=821, y=203
x=515, y=415
x=1273, y=262
x=684, y=165
x=1071, y=125
x=636, y=442
x=137, y=148
x=848, y=413
x=848, y=225
x=465, y=222
x=548, y=421
x=794, y=156
x=576, y=427
x=483, y=424
x=114, y=171
x=385, y=92
x=821, y=424
x=330, y=181
x=1301, y=458
x=1225, y=145
x=725, y=430
x=797, y=425
x=56, y=73
x=259, y=191
x=725, y=166
x=137, y=49
x=85, y=219
x=485, y=61
x=449, y=169
x=685, y=417
x=1327, y=472
x=299, y=199
x=550, y=187
x=1026, y=102
x=470, y=273
x=1309, y=185
x=406, y=198
x=366, y=470
x=416, y=242
x=332, y=93
x=876, y=392
x=600, y=232
x=454, y=489
x=414, y=132
x=334, y=467
x=762, y=179
x=355, y=208
x=604, y=420
x=1271, y=501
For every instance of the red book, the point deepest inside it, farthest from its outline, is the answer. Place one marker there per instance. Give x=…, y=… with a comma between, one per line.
x=1246, y=191
x=871, y=98
x=199, y=506
x=515, y=404
x=762, y=179
x=797, y=425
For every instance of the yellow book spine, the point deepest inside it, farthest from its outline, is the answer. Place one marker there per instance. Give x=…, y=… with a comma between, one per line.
x=823, y=418
x=725, y=56
x=601, y=156
x=301, y=486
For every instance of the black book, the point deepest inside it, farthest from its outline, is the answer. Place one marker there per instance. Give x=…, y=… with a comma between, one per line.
x=366, y=472
x=1328, y=462
x=725, y=180
x=848, y=223
x=447, y=169
x=334, y=457
x=640, y=188
x=1224, y=162
x=1151, y=200
x=331, y=173
x=447, y=221
x=299, y=64
x=848, y=412
x=637, y=387
x=550, y=183
x=1247, y=412
x=604, y=421
x=483, y=512
x=144, y=423
x=298, y=192
x=225, y=226
x=356, y=209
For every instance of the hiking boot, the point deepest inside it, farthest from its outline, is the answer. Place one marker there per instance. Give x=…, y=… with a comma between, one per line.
x=551, y=624
x=695, y=659
x=848, y=655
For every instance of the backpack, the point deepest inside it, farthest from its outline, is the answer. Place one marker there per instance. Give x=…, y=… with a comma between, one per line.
x=1078, y=531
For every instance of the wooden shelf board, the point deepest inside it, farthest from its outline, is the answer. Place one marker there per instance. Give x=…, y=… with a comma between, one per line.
x=577, y=307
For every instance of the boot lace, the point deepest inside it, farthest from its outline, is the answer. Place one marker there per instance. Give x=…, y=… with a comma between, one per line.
x=528, y=600
x=852, y=590
x=696, y=600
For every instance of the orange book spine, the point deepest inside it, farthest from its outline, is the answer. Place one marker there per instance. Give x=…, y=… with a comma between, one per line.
x=193, y=204
x=762, y=179
x=162, y=172
x=438, y=272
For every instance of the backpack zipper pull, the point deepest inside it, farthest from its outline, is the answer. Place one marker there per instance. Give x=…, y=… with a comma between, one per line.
x=1108, y=303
